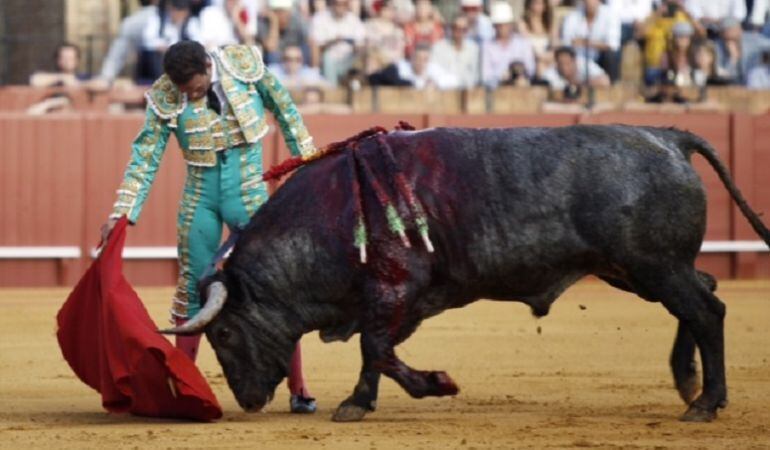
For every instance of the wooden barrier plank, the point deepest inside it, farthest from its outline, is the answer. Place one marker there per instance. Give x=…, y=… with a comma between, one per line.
x=42, y=199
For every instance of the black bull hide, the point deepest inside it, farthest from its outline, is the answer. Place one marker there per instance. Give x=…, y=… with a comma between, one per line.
x=514, y=214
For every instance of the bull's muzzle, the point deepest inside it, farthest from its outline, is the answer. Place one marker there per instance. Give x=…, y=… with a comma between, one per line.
x=217, y=295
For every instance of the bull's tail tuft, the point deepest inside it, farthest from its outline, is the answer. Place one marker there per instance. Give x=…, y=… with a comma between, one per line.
x=689, y=143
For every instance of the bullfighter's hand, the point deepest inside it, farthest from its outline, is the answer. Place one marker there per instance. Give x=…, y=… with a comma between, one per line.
x=107, y=229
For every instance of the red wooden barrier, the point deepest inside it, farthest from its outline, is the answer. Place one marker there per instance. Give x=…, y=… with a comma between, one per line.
x=59, y=174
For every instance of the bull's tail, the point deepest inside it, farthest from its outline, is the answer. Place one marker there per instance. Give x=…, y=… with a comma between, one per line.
x=691, y=143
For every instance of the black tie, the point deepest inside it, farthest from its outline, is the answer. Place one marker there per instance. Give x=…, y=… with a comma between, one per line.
x=213, y=100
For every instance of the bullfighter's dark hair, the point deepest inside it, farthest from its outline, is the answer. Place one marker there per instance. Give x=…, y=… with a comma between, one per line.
x=184, y=60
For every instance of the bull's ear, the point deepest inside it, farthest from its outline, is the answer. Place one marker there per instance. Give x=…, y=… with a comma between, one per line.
x=217, y=295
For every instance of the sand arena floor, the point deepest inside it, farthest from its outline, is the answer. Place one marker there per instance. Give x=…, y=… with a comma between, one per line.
x=592, y=374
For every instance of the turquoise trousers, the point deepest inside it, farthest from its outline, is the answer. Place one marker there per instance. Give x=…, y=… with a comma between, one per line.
x=228, y=193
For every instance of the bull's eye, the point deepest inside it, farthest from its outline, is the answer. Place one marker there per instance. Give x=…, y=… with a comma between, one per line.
x=223, y=335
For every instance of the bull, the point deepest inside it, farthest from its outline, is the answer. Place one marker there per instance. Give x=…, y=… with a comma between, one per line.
x=514, y=215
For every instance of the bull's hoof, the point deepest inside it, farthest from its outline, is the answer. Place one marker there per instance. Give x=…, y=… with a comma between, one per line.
x=698, y=414
x=443, y=384
x=348, y=412
x=689, y=389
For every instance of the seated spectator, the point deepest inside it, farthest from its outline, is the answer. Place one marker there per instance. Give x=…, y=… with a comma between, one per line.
x=538, y=25
x=573, y=71
x=281, y=26
x=667, y=90
x=677, y=58
x=759, y=76
x=481, y=28
x=423, y=74
x=507, y=47
x=426, y=28
x=337, y=36
x=517, y=76
x=127, y=44
x=171, y=25
x=64, y=76
x=293, y=73
x=593, y=31
x=65, y=73
x=458, y=55
x=632, y=15
x=711, y=13
x=385, y=41
x=705, y=70
x=730, y=49
x=224, y=24
x=657, y=32
x=313, y=102
x=758, y=18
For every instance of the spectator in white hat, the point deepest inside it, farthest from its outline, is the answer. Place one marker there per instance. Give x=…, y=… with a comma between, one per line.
x=281, y=26
x=507, y=47
x=481, y=29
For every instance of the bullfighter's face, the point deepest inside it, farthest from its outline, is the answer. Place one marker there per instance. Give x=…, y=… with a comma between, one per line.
x=252, y=366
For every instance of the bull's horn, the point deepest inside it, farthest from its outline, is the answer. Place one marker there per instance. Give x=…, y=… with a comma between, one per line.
x=217, y=295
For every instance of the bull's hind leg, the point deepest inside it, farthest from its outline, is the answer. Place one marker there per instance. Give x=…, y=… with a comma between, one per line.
x=701, y=314
x=683, y=364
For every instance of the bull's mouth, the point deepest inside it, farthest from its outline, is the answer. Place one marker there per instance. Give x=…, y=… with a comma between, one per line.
x=254, y=402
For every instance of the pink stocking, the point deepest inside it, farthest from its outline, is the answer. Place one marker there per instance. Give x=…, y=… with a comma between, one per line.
x=296, y=380
x=188, y=344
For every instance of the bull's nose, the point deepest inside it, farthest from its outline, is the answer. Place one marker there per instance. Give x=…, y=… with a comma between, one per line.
x=251, y=407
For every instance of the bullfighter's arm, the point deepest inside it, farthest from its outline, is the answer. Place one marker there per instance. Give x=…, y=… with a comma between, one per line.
x=146, y=153
x=277, y=99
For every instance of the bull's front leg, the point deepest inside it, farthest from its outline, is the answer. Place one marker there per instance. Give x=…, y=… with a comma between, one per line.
x=364, y=397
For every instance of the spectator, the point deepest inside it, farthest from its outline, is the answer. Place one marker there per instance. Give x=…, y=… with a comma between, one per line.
x=481, y=28
x=424, y=74
x=426, y=28
x=225, y=24
x=293, y=73
x=403, y=10
x=705, y=70
x=592, y=30
x=657, y=32
x=677, y=59
x=757, y=19
x=65, y=74
x=538, y=25
x=172, y=24
x=282, y=26
x=667, y=90
x=506, y=48
x=711, y=13
x=632, y=14
x=458, y=55
x=313, y=102
x=337, y=36
x=759, y=76
x=517, y=75
x=730, y=50
x=385, y=41
x=572, y=71
x=128, y=43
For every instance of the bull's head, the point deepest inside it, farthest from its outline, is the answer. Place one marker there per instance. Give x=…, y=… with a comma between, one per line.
x=253, y=350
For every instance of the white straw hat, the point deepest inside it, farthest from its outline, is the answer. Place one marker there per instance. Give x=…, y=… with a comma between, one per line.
x=501, y=12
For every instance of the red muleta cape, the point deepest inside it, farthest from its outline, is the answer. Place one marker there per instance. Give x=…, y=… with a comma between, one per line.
x=109, y=340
